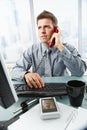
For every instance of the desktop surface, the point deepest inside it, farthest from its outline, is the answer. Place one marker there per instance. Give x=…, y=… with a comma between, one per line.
x=58, y=79
x=54, y=86
x=6, y=114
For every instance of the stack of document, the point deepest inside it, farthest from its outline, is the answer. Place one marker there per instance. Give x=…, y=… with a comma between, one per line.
x=70, y=119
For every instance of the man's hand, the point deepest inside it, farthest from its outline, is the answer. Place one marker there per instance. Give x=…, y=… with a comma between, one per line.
x=34, y=80
x=58, y=39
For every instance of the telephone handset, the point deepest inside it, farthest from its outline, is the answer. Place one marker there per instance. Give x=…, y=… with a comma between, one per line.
x=53, y=40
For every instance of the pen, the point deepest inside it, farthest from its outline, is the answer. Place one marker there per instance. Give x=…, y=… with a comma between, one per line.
x=26, y=106
x=70, y=119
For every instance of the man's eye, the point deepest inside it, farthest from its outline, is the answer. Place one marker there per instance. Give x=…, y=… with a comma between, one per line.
x=39, y=28
x=47, y=27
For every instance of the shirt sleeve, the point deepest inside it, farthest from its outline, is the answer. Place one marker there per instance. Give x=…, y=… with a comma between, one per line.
x=22, y=65
x=73, y=61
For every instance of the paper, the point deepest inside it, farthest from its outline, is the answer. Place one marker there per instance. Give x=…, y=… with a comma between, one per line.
x=79, y=121
x=71, y=119
x=31, y=120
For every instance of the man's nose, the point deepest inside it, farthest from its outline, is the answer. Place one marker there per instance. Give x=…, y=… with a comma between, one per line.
x=43, y=30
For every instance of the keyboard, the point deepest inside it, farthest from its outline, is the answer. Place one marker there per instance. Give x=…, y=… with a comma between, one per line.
x=50, y=89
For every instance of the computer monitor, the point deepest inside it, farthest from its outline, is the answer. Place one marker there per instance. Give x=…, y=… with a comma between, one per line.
x=8, y=94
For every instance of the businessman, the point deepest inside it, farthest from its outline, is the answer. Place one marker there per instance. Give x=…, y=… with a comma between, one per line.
x=64, y=58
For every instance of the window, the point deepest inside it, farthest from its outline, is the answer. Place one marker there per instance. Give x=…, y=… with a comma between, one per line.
x=84, y=29
x=15, y=28
x=67, y=16
x=18, y=24
x=70, y=13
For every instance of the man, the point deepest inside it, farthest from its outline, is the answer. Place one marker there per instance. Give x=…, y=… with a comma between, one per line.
x=63, y=57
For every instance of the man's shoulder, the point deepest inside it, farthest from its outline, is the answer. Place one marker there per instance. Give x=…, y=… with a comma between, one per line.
x=36, y=46
x=33, y=47
x=68, y=46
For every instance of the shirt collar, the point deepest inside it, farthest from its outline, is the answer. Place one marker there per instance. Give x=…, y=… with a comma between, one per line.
x=44, y=48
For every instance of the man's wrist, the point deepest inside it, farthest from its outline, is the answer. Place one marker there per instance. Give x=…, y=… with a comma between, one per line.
x=60, y=47
x=26, y=73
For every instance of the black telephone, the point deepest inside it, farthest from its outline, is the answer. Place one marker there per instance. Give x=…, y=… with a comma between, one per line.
x=53, y=40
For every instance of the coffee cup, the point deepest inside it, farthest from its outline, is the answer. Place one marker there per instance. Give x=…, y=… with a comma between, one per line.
x=75, y=90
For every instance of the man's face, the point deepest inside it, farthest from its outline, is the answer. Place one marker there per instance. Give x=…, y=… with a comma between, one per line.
x=45, y=30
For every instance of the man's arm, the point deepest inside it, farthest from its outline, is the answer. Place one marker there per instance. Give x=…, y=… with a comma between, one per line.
x=22, y=66
x=21, y=70
x=70, y=56
x=73, y=61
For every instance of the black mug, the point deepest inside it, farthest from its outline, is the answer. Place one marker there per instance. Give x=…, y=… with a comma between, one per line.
x=75, y=90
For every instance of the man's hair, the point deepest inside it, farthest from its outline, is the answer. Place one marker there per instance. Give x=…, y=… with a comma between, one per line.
x=49, y=15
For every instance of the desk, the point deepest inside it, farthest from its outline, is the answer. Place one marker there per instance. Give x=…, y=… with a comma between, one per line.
x=60, y=79
x=6, y=114
x=70, y=119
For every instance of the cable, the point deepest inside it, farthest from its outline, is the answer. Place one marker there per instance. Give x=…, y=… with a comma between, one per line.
x=26, y=105
x=41, y=61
